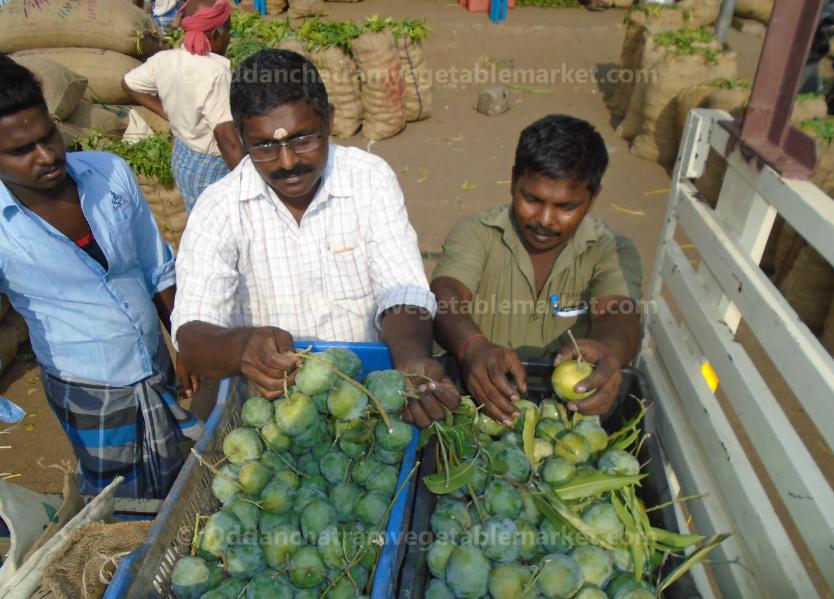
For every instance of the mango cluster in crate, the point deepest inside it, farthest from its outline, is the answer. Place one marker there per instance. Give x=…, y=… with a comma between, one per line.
x=306, y=488
x=548, y=508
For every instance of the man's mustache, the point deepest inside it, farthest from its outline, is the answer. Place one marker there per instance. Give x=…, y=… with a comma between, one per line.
x=301, y=169
x=59, y=163
x=542, y=230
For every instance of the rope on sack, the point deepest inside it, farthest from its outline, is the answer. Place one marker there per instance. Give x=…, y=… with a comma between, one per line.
x=406, y=41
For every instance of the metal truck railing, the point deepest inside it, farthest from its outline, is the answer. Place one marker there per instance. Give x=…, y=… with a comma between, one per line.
x=737, y=444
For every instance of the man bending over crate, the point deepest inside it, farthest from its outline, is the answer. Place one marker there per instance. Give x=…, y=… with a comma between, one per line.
x=303, y=239
x=512, y=280
x=82, y=260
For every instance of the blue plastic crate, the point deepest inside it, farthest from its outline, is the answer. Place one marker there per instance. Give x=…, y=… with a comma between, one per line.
x=146, y=572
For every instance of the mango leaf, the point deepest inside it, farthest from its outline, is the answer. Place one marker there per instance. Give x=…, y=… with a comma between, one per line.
x=626, y=441
x=425, y=435
x=673, y=540
x=696, y=557
x=558, y=512
x=598, y=482
x=636, y=542
x=528, y=435
x=563, y=415
x=456, y=477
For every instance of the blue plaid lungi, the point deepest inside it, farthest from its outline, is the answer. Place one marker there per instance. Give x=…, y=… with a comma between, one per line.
x=165, y=20
x=132, y=431
x=194, y=171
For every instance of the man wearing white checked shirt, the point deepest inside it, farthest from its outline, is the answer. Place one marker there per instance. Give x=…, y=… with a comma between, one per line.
x=301, y=240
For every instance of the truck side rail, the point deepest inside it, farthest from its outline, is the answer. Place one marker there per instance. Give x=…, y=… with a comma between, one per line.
x=692, y=318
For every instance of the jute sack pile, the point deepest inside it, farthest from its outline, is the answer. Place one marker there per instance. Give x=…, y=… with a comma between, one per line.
x=70, y=133
x=809, y=288
x=639, y=26
x=276, y=7
x=701, y=13
x=658, y=138
x=108, y=119
x=732, y=100
x=827, y=338
x=87, y=561
x=295, y=45
x=106, y=24
x=103, y=69
x=13, y=333
x=711, y=95
x=338, y=72
x=62, y=87
x=301, y=9
x=168, y=208
x=383, y=88
x=808, y=107
x=416, y=78
x=754, y=9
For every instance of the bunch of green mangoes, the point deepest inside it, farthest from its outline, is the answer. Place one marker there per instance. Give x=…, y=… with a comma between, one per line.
x=305, y=489
x=497, y=527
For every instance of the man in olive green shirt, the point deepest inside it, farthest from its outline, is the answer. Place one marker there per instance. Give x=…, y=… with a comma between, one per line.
x=513, y=280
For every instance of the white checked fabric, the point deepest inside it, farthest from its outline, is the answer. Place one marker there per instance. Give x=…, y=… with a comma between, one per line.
x=244, y=261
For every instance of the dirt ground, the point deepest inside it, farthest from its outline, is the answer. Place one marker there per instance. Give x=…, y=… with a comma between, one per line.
x=455, y=163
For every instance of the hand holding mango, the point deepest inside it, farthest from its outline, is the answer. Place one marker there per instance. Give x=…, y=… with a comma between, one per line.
x=568, y=374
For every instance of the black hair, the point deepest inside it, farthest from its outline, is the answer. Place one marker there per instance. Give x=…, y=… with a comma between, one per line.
x=272, y=78
x=19, y=88
x=559, y=146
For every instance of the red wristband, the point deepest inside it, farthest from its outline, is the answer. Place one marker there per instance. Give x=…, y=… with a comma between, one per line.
x=464, y=345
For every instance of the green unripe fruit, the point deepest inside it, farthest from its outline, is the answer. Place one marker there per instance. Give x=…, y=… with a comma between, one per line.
x=596, y=435
x=275, y=438
x=256, y=412
x=573, y=447
x=254, y=476
x=190, y=578
x=567, y=375
x=346, y=361
x=244, y=561
x=295, y=414
x=557, y=471
x=280, y=544
x=560, y=576
x=346, y=402
x=242, y=445
x=388, y=386
x=223, y=488
x=306, y=568
x=438, y=557
x=277, y=497
x=314, y=376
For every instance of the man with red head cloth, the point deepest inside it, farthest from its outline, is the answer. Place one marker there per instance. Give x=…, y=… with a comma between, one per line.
x=189, y=86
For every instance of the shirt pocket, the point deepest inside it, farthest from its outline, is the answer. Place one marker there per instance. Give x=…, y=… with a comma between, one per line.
x=346, y=272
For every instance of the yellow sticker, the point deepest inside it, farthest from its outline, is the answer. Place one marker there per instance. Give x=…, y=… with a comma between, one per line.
x=709, y=376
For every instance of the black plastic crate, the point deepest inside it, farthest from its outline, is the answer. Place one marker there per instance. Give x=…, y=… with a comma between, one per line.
x=654, y=489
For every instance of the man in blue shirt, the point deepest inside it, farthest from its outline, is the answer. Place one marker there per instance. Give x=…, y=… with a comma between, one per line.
x=82, y=260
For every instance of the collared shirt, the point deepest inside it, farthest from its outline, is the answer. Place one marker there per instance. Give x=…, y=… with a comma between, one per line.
x=245, y=261
x=194, y=91
x=87, y=324
x=486, y=253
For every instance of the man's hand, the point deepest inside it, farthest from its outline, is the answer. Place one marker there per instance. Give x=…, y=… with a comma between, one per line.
x=188, y=383
x=267, y=361
x=605, y=378
x=485, y=367
x=433, y=395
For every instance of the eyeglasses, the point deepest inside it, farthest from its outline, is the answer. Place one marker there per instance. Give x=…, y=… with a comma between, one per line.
x=300, y=145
